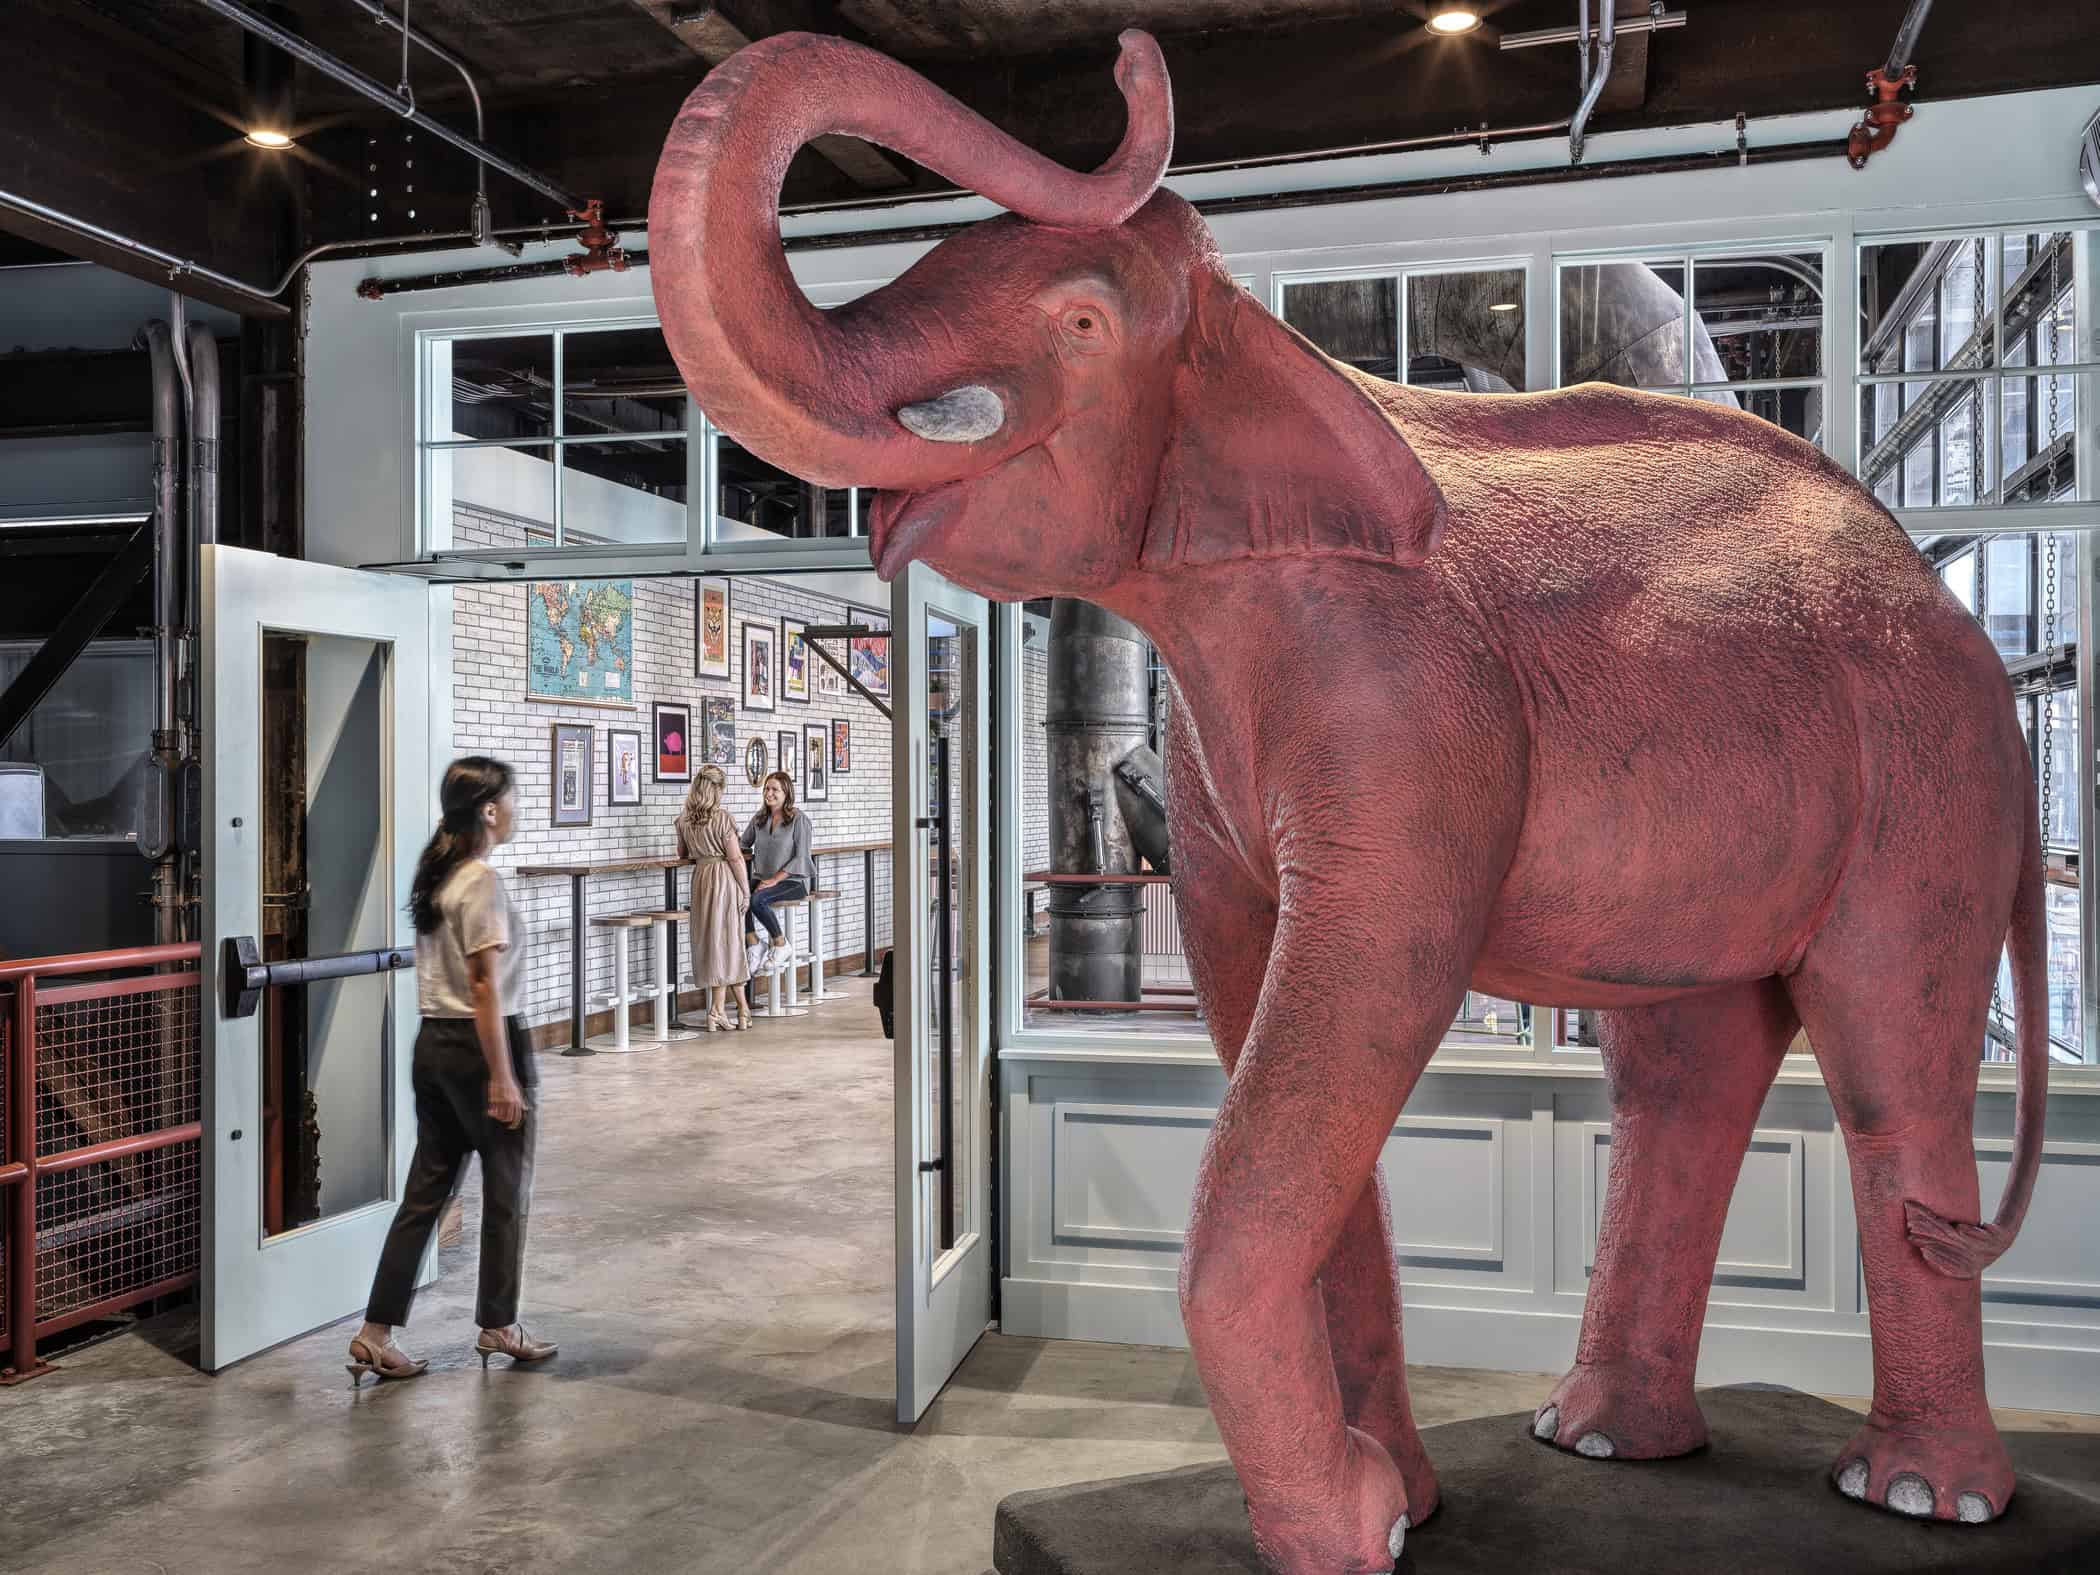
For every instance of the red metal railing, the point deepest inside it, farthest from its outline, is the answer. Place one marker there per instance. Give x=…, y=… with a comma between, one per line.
x=101, y=1146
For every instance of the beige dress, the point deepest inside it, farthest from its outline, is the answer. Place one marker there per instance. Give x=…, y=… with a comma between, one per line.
x=719, y=901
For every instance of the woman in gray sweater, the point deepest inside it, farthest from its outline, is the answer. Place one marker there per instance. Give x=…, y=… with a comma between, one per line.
x=777, y=842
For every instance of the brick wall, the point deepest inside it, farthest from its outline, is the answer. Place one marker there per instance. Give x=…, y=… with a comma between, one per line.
x=492, y=716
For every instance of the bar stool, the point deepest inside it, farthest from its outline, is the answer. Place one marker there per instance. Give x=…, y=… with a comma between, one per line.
x=817, y=992
x=667, y=981
x=619, y=1042
x=794, y=1006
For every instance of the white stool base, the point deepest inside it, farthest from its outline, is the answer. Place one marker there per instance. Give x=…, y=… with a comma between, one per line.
x=609, y=1044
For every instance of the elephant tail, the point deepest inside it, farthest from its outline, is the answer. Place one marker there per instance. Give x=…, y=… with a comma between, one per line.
x=1965, y=1251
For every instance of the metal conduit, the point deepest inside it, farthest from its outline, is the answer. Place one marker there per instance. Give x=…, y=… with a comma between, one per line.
x=1595, y=71
x=379, y=93
x=481, y=230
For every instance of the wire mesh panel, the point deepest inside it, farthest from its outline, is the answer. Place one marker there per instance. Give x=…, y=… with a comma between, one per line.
x=116, y=1061
x=114, y=1065
x=109, y=1233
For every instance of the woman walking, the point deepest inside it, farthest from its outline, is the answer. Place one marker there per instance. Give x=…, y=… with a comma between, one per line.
x=721, y=893
x=777, y=841
x=473, y=1076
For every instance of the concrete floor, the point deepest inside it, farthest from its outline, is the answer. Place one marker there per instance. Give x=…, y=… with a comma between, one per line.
x=711, y=1244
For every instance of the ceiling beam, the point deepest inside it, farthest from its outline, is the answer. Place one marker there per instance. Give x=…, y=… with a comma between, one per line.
x=714, y=38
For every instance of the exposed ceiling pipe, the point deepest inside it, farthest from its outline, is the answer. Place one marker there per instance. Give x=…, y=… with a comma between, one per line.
x=1656, y=21
x=1596, y=68
x=479, y=224
x=1886, y=110
x=157, y=829
x=1484, y=134
x=379, y=93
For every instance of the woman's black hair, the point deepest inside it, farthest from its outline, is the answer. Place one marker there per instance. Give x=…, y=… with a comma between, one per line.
x=470, y=782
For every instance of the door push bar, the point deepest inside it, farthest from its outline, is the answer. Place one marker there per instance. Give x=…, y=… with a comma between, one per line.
x=243, y=975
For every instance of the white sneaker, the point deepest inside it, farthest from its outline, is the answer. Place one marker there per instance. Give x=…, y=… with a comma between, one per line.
x=755, y=958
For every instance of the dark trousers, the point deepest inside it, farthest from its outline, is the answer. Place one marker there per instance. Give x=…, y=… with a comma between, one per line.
x=451, y=1081
x=762, y=901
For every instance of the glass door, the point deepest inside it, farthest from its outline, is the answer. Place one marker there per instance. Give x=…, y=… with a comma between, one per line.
x=940, y=638
x=317, y=796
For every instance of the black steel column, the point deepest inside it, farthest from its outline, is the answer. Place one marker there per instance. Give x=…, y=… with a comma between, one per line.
x=576, y=963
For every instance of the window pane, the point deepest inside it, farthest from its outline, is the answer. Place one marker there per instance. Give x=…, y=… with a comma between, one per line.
x=1900, y=284
x=1625, y=323
x=629, y=492
x=1962, y=303
x=1958, y=574
x=1491, y=1020
x=620, y=380
x=1465, y=331
x=2061, y=828
x=2039, y=464
x=493, y=497
x=1961, y=434
x=2009, y=604
x=1354, y=320
x=83, y=749
x=1917, y=476
x=763, y=498
x=1763, y=314
x=500, y=388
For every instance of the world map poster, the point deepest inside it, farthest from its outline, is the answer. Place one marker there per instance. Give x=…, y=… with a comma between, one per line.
x=579, y=641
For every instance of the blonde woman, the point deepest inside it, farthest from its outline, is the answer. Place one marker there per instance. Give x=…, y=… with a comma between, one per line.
x=721, y=894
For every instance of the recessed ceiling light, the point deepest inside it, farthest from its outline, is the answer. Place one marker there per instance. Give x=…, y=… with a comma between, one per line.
x=1453, y=20
x=263, y=138
x=1503, y=306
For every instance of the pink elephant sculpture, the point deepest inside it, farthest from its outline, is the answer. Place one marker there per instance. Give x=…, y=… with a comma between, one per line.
x=1651, y=710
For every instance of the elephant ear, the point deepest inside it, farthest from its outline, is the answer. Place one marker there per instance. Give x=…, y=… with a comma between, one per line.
x=1279, y=452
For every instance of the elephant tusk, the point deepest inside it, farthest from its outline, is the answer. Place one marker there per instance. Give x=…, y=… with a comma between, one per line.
x=962, y=415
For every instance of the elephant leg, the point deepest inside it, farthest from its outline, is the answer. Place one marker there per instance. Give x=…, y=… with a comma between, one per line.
x=1688, y=1078
x=1295, y=1146
x=1228, y=925
x=1360, y=1286
x=1899, y=1048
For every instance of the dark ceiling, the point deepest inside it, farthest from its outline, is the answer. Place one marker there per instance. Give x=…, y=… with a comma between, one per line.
x=132, y=116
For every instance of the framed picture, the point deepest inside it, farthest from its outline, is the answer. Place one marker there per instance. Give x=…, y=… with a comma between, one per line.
x=673, y=727
x=831, y=683
x=711, y=627
x=871, y=663
x=718, y=731
x=623, y=765
x=816, y=759
x=571, y=773
x=841, y=747
x=755, y=761
x=787, y=748
x=759, y=678
x=795, y=661
x=579, y=642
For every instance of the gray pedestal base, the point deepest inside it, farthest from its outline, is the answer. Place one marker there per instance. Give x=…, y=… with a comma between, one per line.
x=1758, y=1498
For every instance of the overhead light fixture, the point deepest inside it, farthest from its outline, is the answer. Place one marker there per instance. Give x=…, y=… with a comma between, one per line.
x=1503, y=306
x=269, y=108
x=1453, y=20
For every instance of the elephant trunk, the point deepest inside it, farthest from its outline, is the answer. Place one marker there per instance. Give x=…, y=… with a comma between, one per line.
x=815, y=392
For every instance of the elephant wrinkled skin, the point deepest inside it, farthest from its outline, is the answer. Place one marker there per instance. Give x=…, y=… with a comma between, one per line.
x=1589, y=697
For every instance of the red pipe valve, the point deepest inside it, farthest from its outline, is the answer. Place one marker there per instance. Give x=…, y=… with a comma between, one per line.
x=1877, y=129
x=601, y=251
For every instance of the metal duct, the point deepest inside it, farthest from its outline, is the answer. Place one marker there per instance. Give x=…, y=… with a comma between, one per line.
x=1096, y=716
x=204, y=435
x=1141, y=793
x=157, y=806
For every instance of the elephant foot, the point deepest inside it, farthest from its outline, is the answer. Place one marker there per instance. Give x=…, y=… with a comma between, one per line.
x=1359, y=1532
x=1959, y=1474
x=1614, y=1413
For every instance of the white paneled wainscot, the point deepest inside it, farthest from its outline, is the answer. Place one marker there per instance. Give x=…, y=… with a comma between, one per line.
x=1497, y=1184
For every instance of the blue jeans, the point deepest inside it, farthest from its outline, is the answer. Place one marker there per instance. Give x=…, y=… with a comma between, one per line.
x=783, y=891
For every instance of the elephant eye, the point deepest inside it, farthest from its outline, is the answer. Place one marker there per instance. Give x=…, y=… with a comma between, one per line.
x=1088, y=325
x=1084, y=324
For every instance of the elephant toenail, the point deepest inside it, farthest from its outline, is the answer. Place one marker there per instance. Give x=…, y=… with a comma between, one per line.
x=1596, y=1446
x=1547, y=1423
x=1973, y=1508
x=1396, y=1537
x=1852, y=1480
x=1910, y=1494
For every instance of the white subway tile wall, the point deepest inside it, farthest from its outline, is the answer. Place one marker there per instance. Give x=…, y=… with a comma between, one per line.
x=491, y=715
